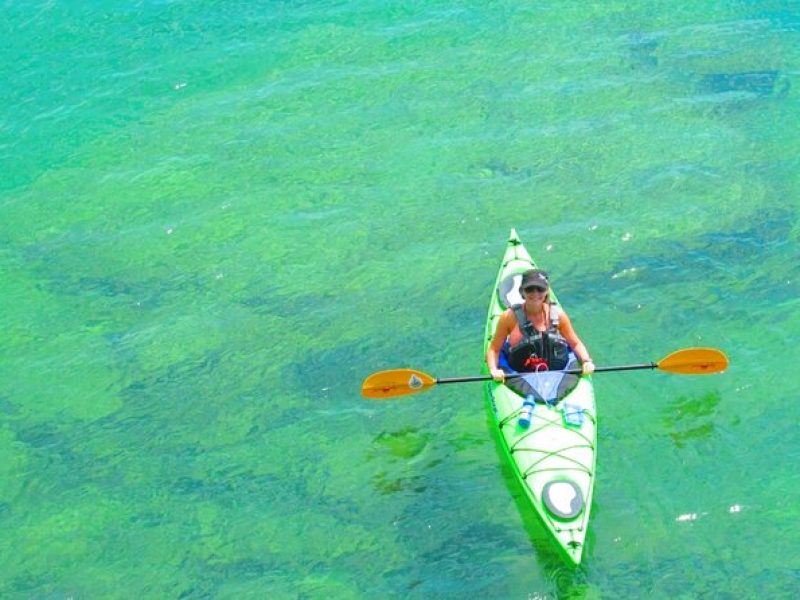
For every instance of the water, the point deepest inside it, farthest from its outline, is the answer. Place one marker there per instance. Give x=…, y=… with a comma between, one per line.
x=217, y=219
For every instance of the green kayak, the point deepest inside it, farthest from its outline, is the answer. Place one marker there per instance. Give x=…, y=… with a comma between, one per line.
x=554, y=456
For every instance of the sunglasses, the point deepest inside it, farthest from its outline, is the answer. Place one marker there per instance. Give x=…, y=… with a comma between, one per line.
x=534, y=288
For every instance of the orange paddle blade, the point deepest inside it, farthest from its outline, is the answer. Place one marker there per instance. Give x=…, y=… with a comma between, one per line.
x=397, y=382
x=695, y=361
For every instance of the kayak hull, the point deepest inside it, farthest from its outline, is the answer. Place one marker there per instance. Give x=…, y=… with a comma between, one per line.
x=553, y=460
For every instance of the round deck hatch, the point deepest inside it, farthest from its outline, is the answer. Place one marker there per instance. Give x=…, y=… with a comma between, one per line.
x=563, y=499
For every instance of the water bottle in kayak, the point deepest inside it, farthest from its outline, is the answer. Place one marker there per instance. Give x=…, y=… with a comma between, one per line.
x=526, y=415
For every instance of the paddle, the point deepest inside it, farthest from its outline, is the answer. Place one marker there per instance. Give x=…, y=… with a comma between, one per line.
x=401, y=382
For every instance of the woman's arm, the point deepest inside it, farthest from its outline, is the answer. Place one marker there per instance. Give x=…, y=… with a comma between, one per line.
x=504, y=327
x=566, y=329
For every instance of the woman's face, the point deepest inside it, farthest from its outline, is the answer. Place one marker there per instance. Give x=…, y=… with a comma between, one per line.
x=534, y=294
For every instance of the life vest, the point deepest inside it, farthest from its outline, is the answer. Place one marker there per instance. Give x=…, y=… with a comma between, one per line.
x=538, y=350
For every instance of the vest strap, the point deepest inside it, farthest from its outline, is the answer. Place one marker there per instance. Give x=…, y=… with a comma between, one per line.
x=554, y=315
x=525, y=326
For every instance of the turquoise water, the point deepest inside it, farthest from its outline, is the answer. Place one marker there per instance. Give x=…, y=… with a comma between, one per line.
x=217, y=218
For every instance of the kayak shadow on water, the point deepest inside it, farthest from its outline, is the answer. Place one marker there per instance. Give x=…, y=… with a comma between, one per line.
x=565, y=576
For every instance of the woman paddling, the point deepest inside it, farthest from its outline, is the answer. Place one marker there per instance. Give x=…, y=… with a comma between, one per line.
x=535, y=335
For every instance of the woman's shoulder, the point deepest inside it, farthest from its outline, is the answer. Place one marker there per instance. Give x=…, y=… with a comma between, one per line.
x=563, y=317
x=508, y=316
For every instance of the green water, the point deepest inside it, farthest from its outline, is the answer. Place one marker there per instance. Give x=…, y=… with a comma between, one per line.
x=217, y=218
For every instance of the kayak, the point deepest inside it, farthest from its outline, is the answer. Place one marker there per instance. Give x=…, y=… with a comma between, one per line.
x=552, y=455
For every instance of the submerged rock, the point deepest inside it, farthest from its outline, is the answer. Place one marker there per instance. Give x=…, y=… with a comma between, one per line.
x=642, y=48
x=762, y=83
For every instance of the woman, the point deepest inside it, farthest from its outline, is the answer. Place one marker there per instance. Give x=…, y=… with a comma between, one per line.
x=539, y=342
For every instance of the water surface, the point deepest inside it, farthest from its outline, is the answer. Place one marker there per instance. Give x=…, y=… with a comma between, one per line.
x=217, y=219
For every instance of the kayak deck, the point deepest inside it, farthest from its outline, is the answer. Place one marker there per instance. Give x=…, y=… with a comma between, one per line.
x=553, y=461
